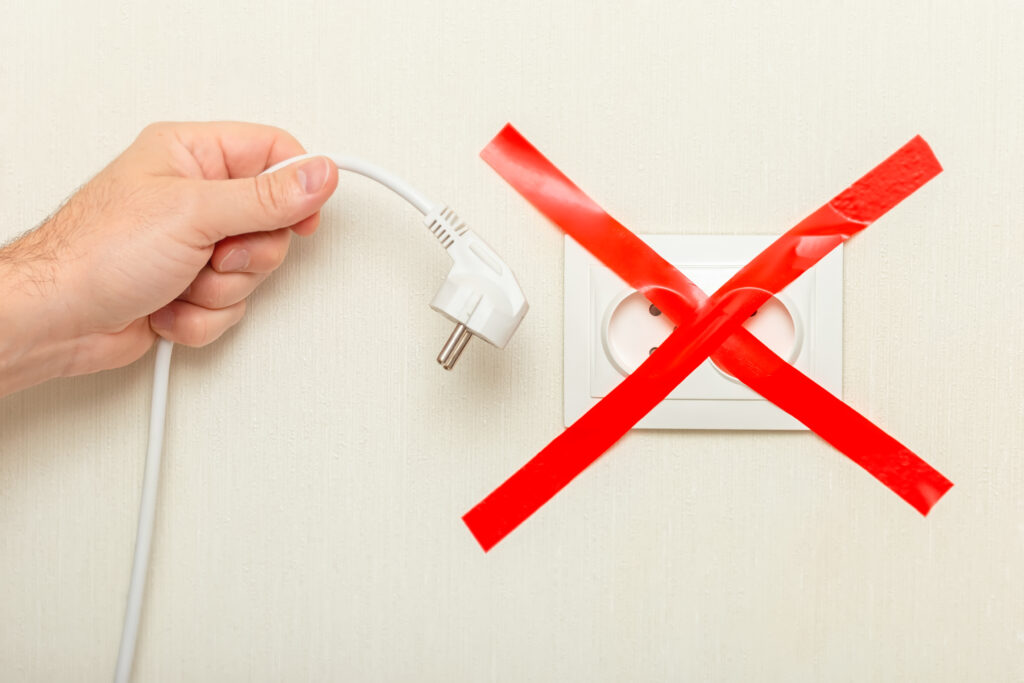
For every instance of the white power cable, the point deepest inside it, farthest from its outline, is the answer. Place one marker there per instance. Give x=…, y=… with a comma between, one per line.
x=147, y=512
x=480, y=295
x=385, y=178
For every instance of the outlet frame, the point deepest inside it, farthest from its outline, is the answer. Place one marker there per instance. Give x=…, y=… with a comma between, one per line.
x=707, y=399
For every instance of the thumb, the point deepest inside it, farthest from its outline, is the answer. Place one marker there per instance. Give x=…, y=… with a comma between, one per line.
x=266, y=202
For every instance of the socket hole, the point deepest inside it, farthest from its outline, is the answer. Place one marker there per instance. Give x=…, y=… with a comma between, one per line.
x=773, y=324
x=635, y=329
x=634, y=332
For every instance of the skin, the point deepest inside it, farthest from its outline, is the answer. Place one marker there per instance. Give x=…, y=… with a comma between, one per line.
x=168, y=240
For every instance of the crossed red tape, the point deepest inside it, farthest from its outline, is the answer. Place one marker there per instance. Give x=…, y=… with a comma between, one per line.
x=706, y=327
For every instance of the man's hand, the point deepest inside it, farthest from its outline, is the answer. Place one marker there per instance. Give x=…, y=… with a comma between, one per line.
x=168, y=240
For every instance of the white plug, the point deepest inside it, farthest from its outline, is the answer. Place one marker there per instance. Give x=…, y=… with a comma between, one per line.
x=480, y=295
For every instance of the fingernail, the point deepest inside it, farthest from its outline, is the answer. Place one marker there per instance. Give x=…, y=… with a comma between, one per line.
x=162, y=319
x=313, y=174
x=236, y=260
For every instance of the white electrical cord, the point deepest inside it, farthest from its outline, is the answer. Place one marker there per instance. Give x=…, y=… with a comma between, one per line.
x=147, y=512
x=388, y=180
x=480, y=295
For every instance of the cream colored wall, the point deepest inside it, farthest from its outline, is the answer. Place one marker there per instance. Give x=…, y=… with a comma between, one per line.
x=318, y=461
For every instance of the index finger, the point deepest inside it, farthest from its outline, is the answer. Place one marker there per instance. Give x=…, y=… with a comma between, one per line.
x=233, y=149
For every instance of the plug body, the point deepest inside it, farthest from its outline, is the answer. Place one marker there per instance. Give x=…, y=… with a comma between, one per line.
x=480, y=295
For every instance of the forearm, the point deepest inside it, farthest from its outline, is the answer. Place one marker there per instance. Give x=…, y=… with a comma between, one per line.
x=32, y=350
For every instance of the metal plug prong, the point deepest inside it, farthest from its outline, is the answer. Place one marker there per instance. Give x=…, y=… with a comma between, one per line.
x=453, y=347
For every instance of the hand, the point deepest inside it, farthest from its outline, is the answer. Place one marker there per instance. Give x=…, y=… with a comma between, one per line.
x=167, y=240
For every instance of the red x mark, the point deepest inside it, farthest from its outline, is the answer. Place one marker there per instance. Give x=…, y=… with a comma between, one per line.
x=707, y=326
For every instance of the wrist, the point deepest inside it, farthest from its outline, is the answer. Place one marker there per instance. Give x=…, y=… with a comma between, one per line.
x=32, y=349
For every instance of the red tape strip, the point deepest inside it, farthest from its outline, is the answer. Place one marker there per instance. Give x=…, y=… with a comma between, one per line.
x=705, y=326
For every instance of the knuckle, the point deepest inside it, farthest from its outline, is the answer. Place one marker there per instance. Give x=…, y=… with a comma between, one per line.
x=202, y=330
x=209, y=294
x=206, y=328
x=278, y=252
x=270, y=195
x=154, y=129
x=282, y=134
x=195, y=330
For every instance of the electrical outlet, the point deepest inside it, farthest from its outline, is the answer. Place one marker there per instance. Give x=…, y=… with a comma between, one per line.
x=610, y=329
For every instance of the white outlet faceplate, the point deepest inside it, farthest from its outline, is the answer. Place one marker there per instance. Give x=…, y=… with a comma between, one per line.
x=610, y=328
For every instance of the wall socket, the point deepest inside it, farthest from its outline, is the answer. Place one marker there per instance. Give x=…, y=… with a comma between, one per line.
x=610, y=329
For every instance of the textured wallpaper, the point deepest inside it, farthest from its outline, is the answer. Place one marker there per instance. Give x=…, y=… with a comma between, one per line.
x=318, y=461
